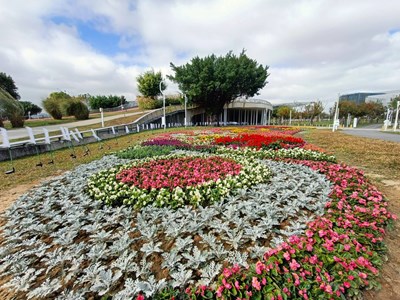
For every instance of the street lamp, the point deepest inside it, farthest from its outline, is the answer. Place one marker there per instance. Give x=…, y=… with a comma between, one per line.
x=185, y=98
x=163, y=120
x=186, y=109
x=397, y=116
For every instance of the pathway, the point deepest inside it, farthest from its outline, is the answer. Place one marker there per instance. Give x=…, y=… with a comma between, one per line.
x=373, y=134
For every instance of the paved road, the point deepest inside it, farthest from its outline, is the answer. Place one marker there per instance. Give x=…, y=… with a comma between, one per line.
x=373, y=133
x=22, y=132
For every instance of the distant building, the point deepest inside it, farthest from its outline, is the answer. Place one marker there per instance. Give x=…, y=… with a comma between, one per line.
x=383, y=98
x=358, y=98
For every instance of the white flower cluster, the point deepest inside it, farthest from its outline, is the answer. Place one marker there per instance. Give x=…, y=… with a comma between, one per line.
x=295, y=153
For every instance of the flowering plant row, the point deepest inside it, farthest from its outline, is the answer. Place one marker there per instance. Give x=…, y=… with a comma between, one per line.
x=175, y=180
x=339, y=254
x=258, y=141
x=294, y=153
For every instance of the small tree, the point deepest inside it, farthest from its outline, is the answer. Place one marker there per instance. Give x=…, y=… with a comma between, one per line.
x=149, y=84
x=11, y=109
x=393, y=102
x=54, y=102
x=283, y=112
x=349, y=107
x=313, y=109
x=30, y=107
x=212, y=82
x=8, y=84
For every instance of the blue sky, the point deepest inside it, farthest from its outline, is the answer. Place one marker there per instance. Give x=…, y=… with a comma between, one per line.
x=316, y=49
x=104, y=42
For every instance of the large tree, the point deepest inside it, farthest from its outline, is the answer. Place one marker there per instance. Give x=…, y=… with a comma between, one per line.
x=211, y=82
x=149, y=84
x=8, y=84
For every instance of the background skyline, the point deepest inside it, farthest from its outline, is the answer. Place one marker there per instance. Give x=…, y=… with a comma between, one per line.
x=315, y=49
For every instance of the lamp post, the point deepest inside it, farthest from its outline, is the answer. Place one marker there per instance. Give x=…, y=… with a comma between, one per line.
x=186, y=109
x=102, y=116
x=163, y=120
x=397, y=116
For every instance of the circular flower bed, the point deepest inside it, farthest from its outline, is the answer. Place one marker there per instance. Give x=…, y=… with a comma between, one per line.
x=60, y=244
x=176, y=180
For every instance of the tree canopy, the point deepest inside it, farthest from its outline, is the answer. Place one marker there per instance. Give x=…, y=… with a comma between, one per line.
x=211, y=82
x=30, y=108
x=149, y=84
x=11, y=109
x=8, y=84
x=101, y=101
x=313, y=110
x=283, y=111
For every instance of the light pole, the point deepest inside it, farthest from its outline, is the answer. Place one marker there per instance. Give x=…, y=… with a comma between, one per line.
x=163, y=120
x=186, y=109
x=397, y=116
x=102, y=116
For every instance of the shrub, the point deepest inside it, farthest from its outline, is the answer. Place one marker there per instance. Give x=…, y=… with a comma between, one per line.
x=149, y=103
x=139, y=152
x=173, y=100
x=52, y=106
x=75, y=108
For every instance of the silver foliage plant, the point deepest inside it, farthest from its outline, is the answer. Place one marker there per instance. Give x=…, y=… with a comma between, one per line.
x=81, y=248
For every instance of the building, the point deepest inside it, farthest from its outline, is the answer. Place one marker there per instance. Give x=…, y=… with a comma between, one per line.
x=358, y=98
x=383, y=98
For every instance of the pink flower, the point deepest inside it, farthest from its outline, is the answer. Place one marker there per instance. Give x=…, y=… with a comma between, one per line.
x=347, y=284
x=313, y=259
x=259, y=267
x=286, y=255
x=294, y=265
x=256, y=284
x=140, y=297
x=362, y=275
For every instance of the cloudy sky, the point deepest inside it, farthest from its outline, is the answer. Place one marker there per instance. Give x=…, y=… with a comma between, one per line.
x=315, y=49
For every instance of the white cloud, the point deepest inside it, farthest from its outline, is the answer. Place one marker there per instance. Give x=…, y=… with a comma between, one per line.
x=315, y=48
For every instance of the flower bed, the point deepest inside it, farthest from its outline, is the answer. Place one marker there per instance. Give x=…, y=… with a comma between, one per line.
x=338, y=255
x=176, y=180
x=258, y=141
x=179, y=172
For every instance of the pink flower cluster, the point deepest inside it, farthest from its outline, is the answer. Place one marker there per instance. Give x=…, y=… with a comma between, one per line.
x=178, y=172
x=338, y=255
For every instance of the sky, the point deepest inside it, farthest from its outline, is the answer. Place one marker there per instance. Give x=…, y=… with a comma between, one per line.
x=315, y=49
